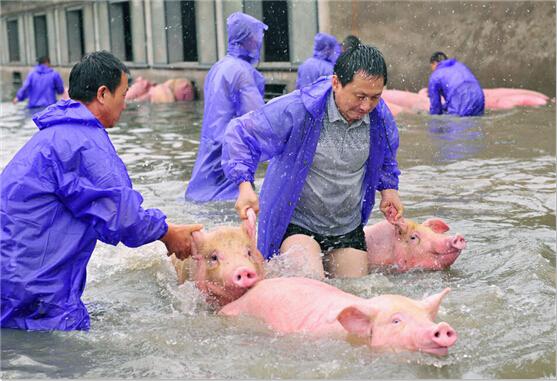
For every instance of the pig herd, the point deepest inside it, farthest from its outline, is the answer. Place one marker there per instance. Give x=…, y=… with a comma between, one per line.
x=181, y=89
x=229, y=270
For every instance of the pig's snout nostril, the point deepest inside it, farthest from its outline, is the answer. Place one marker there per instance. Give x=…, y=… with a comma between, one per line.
x=244, y=277
x=444, y=335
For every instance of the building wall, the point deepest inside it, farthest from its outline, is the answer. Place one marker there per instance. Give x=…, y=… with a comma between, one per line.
x=506, y=44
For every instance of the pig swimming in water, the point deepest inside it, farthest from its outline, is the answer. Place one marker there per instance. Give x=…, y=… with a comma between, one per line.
x=406, y=245
x=225, y=262
x=384, y=323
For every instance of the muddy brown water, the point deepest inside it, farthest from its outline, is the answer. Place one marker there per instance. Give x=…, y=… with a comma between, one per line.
x=491, y=178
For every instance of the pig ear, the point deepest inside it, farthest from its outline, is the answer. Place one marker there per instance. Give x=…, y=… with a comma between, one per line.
x=249, y=224
x=391, y=214
x=432, y=303
x=436, y=224
x=198, y=239
x=401, y=226
x=356, y=321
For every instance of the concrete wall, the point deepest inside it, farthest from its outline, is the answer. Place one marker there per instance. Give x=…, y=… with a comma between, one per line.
x=505, y=43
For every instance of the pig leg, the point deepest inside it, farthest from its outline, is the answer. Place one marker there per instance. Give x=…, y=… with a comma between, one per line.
x=304, y=253
x=347, y=263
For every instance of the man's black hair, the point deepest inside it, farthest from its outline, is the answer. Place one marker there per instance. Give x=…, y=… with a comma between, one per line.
x=438, y=57
x=362, y=58
x=93, y=71
x=350, y=42
x=43, y=59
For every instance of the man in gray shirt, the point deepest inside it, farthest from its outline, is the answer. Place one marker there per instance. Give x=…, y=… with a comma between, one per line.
x=332, y=145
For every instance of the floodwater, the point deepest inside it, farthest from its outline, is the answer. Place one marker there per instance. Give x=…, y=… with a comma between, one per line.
x=491, y=178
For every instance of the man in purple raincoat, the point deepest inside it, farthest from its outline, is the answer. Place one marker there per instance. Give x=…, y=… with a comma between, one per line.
x=454, y=82
x=325, y=53
x=64, y=190
x=41, y=85
x=331, y=146
x=232, y=87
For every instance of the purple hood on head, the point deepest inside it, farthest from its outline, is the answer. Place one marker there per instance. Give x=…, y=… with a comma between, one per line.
x=245, y=36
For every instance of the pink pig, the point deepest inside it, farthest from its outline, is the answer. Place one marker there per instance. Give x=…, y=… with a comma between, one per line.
x=407, y=245
x=225, y=262
x=139, y=90
x=385, y=322
x=182, y=89
x=407, y=100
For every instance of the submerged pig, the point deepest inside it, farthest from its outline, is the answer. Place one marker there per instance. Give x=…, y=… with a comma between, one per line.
x=385, y=322
x=405, y=245
x=182, y=89
x=225, y=262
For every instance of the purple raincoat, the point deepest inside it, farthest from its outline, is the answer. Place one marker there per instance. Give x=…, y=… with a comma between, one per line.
x=325, y=53
x=65, y=189
x=232, y=88
x=287, y=130
x=41, y=87
x=462, y=92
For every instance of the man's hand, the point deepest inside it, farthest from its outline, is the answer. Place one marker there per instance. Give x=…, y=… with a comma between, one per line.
x=178, y=239
x=390, y=205
x=247, y=198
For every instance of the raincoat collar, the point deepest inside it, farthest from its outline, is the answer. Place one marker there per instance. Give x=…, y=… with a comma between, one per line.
x=446, y=63
x=66, y=111
x=315, y=97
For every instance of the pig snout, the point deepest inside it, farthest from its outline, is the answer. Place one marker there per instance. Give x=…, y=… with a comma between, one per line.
x=458, y=242
x=443, y=335
x=438, y=339
x=244, y=277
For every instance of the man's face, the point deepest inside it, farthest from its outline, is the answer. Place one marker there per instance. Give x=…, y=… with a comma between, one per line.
x=359, y=97
x=115, y=102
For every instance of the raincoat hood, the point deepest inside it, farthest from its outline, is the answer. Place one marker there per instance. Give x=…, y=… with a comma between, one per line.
x=245, y=36
x=326, y=47
x=66, y=111
x=43, y=69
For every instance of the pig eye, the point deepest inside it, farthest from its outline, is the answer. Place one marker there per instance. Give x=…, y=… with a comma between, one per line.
x=414, y=237
x=249, y=253
x=214, y=257
x=395, y=320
